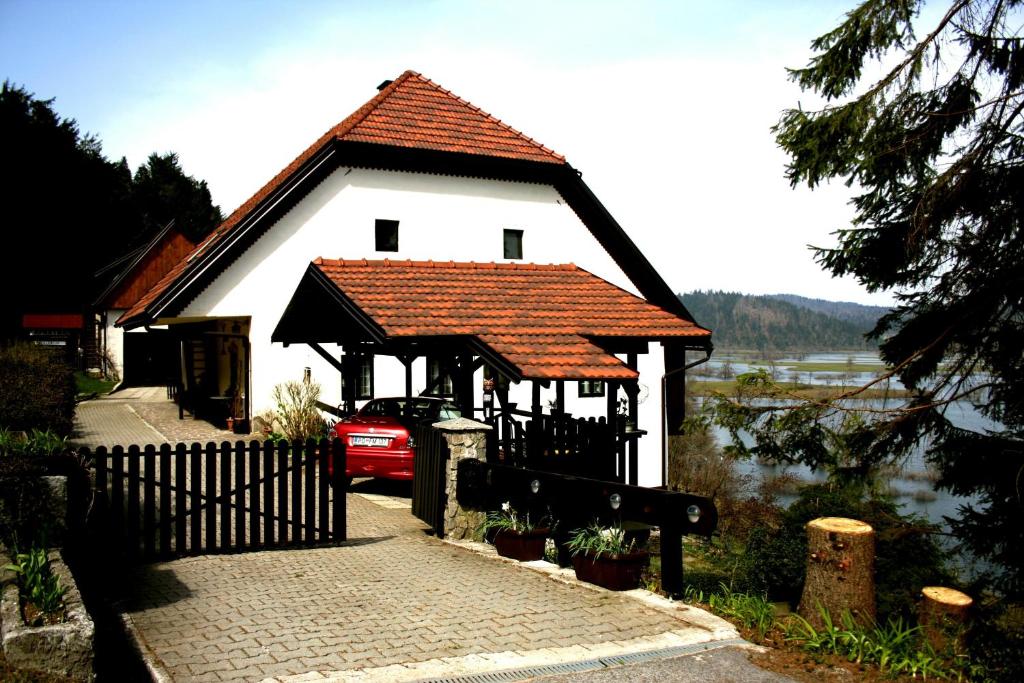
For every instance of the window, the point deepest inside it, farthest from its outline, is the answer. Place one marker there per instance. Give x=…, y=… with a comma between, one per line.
x=513, y=243
x=386, y=235
x=363, y=371
x=590, y=387
x=444, y=387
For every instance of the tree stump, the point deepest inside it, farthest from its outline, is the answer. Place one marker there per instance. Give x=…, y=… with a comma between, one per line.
x=840, y=570
x=942, y=616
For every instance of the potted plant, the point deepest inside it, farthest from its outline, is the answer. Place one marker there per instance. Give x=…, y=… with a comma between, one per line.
x=515, y=536
x=603, y=556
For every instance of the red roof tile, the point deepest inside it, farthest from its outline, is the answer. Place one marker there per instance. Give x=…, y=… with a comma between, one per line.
x=413, y=112
x=540, y=318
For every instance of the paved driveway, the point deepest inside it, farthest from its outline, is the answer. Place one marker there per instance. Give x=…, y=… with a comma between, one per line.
x=392, y=604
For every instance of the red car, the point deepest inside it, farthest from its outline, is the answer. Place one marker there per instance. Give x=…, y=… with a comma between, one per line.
x=378, y=439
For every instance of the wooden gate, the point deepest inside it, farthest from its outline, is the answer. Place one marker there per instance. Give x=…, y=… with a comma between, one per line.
x=165, y=503
x=429, y=497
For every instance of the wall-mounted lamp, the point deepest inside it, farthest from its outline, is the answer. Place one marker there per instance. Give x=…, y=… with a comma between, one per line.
x=615, y=500
x=535, y=485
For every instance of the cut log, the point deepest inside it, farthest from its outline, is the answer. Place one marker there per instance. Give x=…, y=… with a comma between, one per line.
x=840, y=571
x=942, y=616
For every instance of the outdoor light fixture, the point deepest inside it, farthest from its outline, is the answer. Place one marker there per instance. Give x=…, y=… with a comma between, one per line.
x=615, y=500
x=693, y=514
x=535, y=485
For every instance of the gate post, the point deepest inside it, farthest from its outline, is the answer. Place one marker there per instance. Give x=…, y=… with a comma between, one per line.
x=466, y=439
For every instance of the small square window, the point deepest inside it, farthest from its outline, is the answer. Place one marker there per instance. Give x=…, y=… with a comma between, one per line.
x=513, y=244
x=589, y=387
x=386, y=235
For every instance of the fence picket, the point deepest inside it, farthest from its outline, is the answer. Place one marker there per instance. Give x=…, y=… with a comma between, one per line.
x=149, y=502
x=165, y=500
x=210, y=496
x=282, y=493
x=132, y=521
x=255, y=515
x=268, y=493
x=309, y=467
x=296, y=478
x=224, y=496
x=240, y=488
x=323, y=488
x=180, y=498
x=196, y=496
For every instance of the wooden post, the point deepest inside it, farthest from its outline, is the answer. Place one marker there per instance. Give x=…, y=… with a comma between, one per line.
x=840, y=570
x=942, y=616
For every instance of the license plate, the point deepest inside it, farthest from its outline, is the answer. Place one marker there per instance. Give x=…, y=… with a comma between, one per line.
x=378, y=441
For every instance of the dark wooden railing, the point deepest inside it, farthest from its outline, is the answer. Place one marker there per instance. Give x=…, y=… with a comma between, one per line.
x=558, y=443
x=192, y=500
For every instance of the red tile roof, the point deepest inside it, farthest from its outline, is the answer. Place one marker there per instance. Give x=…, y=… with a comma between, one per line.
x=541, y=318
x=413, y=112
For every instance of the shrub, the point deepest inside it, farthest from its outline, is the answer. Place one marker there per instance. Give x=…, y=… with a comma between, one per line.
x=297, y=410
x=37, y=390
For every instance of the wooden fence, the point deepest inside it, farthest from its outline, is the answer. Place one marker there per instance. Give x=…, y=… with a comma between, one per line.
x=193, y=500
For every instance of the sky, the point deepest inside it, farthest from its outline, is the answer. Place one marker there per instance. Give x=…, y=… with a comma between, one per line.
x=665, y=107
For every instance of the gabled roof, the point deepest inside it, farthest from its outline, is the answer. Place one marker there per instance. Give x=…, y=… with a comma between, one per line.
x=145, y=267
x=545, y=321
x=411, y=124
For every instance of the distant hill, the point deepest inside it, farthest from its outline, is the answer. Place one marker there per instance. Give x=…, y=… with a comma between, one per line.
x=770, y=323
x=859, y=314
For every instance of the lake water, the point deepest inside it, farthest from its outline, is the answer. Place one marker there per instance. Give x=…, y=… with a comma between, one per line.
x=912, y=487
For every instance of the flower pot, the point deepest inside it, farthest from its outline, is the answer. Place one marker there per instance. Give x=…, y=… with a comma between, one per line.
x=619, y=572
x=524, y=546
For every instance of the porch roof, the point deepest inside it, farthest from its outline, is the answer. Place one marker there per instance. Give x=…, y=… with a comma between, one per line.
x=544, y=321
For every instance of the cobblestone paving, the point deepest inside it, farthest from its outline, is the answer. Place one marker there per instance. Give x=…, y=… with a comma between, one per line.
x=140, y=416
x=392, y=595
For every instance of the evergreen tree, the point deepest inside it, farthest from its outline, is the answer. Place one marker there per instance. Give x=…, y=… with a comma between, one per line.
x=163, y=193
x=934, y=150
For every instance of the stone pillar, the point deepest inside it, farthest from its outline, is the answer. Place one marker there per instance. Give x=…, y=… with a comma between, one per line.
x=466, y=439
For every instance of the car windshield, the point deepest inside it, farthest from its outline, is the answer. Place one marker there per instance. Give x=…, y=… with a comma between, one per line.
x=421, y=409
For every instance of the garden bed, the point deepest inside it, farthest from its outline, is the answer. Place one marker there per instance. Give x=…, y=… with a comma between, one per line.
x=62, y=649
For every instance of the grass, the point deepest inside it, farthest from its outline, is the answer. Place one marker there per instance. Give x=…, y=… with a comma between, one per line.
x=92, y=385
x=799, y=390
x=807, y=366
x=896, y=649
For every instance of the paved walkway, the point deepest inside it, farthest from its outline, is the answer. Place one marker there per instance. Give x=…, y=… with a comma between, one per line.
x=140, y=416
x=392, y=604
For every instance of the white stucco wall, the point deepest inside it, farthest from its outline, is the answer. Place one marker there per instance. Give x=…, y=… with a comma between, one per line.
x=115, y=340
x=440, y=218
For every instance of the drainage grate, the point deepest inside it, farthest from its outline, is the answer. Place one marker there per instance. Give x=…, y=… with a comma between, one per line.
x=585, y=665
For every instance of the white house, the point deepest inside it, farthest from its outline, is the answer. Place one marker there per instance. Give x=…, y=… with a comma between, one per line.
x=420, y=179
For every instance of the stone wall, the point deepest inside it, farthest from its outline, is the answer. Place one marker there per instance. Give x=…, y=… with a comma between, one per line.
x=64, y=649
x=466, y=439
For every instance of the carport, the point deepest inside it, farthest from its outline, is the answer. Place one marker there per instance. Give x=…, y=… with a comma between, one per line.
x=513, y=321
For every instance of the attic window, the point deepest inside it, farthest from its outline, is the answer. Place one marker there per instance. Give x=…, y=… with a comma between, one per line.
x=513, y=244
x=386, y=235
